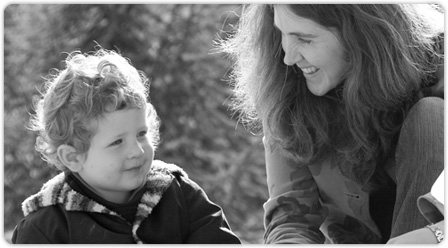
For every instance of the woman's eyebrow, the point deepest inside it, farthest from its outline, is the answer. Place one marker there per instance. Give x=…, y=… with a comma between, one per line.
x=297, y=33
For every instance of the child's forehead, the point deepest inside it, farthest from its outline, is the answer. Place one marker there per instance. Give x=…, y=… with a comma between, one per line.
x=121, y=119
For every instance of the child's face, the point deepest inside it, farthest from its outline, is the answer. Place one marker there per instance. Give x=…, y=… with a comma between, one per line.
x=120, y=155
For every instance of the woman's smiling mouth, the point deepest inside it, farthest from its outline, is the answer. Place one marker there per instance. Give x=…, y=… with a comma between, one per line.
x=309, y=70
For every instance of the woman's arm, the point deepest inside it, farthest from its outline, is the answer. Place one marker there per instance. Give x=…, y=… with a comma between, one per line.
x=423, y=235
x=293, y=213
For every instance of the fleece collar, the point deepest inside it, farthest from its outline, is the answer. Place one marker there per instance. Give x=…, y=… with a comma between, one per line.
x=57, y=191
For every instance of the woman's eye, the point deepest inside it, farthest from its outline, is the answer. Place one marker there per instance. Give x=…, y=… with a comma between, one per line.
x=303, y=41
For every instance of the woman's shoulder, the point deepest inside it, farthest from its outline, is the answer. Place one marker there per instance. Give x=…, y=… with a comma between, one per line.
x=424, y=122
x=436, y=86
x=427, y=107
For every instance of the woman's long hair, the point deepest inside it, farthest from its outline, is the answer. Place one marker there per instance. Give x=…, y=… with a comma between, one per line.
x=390, y=54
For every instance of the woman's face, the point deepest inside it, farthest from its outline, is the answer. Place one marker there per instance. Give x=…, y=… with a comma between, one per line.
x=316, y=50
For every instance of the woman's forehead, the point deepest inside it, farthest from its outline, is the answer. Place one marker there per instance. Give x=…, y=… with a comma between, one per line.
x=289, y=22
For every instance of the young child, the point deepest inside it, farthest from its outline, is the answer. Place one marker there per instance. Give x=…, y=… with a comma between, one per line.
x=95, y=125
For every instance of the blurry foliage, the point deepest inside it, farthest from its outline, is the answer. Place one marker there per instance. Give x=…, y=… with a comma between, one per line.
x=172, y=44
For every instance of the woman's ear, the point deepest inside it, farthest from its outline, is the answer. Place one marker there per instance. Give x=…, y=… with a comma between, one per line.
x=70, y=157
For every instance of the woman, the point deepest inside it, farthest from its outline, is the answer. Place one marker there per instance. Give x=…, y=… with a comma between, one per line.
x=351, y=139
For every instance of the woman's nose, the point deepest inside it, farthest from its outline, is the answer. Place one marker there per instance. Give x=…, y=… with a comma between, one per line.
x=292, y=54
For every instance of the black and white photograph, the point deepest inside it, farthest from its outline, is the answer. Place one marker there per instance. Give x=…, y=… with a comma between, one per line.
x=223, y=123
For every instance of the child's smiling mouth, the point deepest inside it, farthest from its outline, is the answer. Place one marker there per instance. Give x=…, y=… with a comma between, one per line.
x=136, y=168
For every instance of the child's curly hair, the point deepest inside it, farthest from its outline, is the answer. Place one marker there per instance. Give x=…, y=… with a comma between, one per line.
x=91, y=84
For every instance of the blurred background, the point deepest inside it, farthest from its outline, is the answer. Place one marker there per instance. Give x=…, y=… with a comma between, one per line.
x=173, y=44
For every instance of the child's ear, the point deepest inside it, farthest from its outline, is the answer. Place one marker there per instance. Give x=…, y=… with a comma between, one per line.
x=70, y=157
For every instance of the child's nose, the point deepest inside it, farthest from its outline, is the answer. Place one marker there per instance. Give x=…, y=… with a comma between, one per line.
x=136, y=150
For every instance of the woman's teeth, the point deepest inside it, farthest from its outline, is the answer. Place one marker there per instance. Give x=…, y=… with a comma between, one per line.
x=309, y=70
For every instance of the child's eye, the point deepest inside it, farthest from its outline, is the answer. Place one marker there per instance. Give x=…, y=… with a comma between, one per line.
x=117, y=142
x=142, y=133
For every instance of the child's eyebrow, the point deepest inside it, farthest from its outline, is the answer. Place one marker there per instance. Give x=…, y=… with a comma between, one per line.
x=112, y=138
